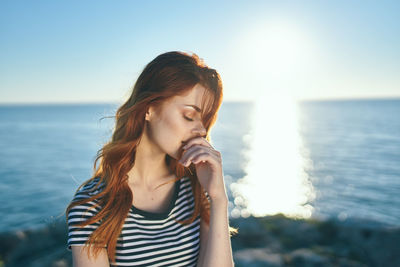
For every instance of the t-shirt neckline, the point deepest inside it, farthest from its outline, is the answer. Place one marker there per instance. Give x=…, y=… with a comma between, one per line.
x=163, y=215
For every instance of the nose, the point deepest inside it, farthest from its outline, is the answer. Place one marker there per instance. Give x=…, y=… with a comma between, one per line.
x=199, y=130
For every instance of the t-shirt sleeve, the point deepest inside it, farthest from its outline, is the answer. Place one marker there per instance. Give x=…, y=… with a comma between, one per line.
x=77, y=235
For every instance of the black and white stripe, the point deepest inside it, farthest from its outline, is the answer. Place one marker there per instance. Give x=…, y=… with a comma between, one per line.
x=146, y=239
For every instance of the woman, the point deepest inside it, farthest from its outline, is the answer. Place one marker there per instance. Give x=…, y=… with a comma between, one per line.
x=158, y=196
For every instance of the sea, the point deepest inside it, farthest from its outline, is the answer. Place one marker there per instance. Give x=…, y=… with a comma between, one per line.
x=317, y=159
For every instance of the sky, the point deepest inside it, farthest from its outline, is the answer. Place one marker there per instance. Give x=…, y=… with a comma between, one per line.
x=93, y=51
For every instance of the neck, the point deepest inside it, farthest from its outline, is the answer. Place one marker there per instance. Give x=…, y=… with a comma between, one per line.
x=150, y=168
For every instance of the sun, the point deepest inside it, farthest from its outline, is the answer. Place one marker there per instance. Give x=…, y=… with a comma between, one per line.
x=276, y=48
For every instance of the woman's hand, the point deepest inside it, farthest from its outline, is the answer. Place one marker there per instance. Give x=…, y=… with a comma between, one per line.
x=217, y=249
x=208, y=164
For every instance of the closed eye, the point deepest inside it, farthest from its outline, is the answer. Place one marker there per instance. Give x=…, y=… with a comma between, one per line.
x=189, y=119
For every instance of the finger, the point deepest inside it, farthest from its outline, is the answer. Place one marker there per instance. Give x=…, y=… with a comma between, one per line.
x=190, y=151
x=195, y=149
x=197, y=141
x=204, y=157
x=197, y=156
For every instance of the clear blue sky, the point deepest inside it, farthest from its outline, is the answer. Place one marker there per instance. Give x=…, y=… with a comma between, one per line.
x=93, y=51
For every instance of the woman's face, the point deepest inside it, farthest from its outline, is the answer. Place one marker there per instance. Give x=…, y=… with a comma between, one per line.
x=176, y=121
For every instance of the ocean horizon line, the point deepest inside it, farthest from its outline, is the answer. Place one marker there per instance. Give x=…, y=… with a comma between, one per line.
x=75, y=103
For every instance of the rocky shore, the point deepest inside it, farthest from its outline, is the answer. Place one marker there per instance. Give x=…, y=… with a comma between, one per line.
x=280, y=241
x=262, y=241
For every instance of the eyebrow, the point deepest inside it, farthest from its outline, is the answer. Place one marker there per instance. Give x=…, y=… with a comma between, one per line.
x=195, y=107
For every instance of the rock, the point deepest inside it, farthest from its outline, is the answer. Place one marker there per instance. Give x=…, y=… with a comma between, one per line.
x=38, y=247
x=374, y=246
x=257, y=257
x=305, y=257
x=318, y=243
x=310, y=258
x=251, y=233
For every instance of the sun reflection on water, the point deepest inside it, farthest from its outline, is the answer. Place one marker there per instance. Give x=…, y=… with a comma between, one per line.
x=276, y=181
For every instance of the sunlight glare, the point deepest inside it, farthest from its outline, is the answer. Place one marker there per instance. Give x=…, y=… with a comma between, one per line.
x=276, y=181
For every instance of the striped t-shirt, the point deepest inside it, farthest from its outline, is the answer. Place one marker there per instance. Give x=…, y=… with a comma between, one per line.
x=147, y=239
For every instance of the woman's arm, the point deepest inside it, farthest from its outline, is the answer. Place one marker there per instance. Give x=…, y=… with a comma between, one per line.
x=204, y=229
x=218, y=250
x=208, y=164
x=215, y=246
x=81, y=259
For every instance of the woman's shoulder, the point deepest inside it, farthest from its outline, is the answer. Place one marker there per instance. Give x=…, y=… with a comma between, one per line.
x=89, y=189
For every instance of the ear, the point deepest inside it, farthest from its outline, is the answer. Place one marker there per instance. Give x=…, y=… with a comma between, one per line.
x=149, y=112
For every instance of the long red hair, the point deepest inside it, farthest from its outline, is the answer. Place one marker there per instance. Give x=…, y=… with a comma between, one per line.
x=168, y=75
